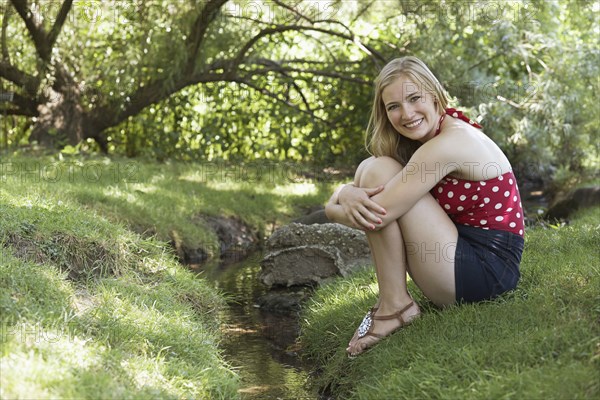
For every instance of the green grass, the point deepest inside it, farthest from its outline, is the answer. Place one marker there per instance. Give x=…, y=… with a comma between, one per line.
x=167, y=200
x=93, y=303
x=539, y=341
x=92, y=310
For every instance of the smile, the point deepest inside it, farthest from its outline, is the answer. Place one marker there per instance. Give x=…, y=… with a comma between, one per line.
x=413, y=124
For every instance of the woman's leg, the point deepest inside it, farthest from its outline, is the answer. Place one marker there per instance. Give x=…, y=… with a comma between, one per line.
x=422, y=243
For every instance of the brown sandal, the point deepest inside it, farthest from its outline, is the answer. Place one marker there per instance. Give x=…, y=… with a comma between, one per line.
x=367, y=325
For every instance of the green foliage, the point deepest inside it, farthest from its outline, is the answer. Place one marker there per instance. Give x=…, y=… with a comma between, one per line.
x=526, y=69
x=539, y=341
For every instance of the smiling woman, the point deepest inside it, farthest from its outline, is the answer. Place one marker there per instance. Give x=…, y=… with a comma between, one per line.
x=428, y=203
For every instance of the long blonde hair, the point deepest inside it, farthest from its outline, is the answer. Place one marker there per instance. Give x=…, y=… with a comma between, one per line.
x=382, y=139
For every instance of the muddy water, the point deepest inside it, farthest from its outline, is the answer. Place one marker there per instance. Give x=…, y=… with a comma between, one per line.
x=259, y=344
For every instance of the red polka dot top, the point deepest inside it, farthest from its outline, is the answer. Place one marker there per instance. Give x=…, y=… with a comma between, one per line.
x=489, y=204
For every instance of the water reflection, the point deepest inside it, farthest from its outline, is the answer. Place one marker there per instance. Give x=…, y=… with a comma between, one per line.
x=259, y=344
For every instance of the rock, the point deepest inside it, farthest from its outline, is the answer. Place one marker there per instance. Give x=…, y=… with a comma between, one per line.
x=316, y=217
x=283, y=302
x=236, y=239
x=309, y=254
x=577, y=199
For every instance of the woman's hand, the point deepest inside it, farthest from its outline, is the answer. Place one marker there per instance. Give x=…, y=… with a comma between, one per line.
x=359, y=209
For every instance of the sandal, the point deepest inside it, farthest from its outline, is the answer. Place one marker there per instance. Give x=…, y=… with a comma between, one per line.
x=366, y=320
x=367, y=325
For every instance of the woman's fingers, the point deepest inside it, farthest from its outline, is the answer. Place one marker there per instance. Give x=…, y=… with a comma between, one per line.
x=375, y=208
x=366, y=218
x=373, y=191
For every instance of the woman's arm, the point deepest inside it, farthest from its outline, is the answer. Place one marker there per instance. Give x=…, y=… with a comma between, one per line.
x=356, y=208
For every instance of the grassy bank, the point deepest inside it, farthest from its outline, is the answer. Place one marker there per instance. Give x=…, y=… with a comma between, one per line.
x=93, y=303
x=540, y=341
x=167, y=199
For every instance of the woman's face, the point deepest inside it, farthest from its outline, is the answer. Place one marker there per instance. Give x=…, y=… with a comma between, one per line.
x=411, y=111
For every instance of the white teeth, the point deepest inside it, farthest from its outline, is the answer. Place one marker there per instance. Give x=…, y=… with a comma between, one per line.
x=413, y=124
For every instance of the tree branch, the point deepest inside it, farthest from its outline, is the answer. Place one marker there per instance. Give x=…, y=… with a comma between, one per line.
x=43, y=41
x=34, y=28
x=268, y=93
x=58, y=24
x=270, y=66
x=7, y=15
x=285, y=28
x=29, y=82
x=198, y=31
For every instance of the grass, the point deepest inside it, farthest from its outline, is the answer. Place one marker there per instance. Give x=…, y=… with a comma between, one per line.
x=93, y=303
x=168, y=200
x=539, y=341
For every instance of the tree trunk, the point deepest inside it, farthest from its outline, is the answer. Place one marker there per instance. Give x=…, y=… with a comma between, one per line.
x=62, y=121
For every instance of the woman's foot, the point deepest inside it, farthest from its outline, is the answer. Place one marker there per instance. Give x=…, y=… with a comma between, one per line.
x=379, y=324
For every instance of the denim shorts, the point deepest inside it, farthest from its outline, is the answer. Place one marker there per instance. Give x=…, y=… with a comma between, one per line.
x=486, y=263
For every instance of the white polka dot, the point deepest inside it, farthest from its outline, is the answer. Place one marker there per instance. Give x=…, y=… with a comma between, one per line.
x=499, y=218
x=471, y=214
x=454, y=182
x=520, y=231
x=512, y=224
x=467, y=185
x=471, y=122
x=506, y=194
x=440, y=190
x=475, y=197
x=462, y=197
x=447, y=206
x=486, y=228
x=515, y=198
x=486, y=200
x=509, y=209
x=483, y=222
x=481, y=205
x=455, y=115
x=495, y=189
x=518, y=215
x=510, y=181
x=460, y=208
x=450, y=195
x=500, y=178
x=498, y=206
x=482, y=183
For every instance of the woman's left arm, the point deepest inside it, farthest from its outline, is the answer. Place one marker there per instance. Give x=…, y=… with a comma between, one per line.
x=428, y=165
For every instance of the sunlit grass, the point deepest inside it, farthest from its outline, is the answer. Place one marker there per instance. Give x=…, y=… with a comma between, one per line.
x=540, y=341
x=161, y=200
x=89, y=309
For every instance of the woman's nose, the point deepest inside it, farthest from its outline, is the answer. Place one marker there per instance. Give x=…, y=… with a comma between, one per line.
x=408, y=111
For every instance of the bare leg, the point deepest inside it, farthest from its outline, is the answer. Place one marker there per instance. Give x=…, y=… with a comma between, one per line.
x=420, y=243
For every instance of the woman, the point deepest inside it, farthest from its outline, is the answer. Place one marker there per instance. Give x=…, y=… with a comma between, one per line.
x=437, y=199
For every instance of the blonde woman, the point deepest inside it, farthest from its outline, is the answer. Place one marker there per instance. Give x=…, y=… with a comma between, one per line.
x=438, y=200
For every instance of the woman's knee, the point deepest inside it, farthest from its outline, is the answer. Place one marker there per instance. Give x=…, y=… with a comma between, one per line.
x=375, y=171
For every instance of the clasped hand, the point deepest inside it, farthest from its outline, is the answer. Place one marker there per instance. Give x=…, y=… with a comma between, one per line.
x=359, y=208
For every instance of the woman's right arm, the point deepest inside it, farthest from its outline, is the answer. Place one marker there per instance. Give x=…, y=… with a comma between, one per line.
x=334, y=210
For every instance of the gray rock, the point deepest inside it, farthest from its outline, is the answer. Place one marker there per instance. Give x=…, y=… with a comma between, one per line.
x=580, y=198
x=309, y=254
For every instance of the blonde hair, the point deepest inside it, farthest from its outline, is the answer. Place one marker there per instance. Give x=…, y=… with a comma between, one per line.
x=382, y=139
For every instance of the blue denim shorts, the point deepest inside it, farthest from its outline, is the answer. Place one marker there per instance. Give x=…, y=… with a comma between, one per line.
x=486, y=263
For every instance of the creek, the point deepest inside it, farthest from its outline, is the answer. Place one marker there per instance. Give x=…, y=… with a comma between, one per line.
x=259, y=344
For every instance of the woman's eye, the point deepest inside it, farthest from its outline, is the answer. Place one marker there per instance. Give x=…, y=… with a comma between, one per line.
x=415, y=98
x=392, y=107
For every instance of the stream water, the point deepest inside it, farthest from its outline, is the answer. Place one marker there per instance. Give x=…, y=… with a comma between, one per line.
x=257, y=343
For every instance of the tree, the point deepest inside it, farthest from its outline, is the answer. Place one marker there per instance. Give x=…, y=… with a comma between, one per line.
x=81, y=82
